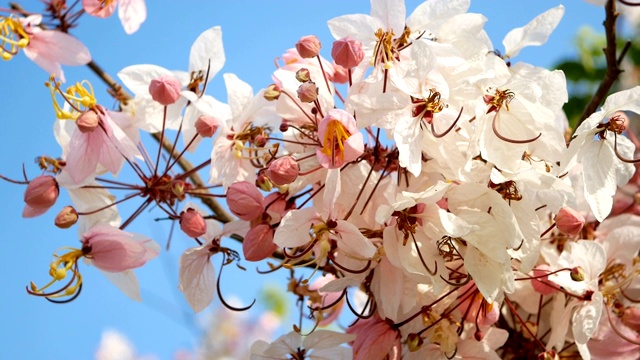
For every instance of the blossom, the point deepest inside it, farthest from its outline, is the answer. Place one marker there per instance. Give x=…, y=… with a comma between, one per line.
x=320, y=344
x=132, y=13
x=597, y=142
x=49, y=49
x=341, y=141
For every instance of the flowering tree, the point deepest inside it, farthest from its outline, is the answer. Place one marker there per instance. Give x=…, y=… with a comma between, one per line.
x=418, y=184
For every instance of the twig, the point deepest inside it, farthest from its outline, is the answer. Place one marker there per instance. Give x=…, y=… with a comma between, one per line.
x=613, y=61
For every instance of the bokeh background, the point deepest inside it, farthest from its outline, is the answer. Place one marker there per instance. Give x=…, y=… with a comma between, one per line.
x=163, y=326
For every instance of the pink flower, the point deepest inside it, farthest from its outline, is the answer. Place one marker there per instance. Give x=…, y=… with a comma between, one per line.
x=132, y=13
x=258, y=243
x=341, y=141
x=107, y=145
x=192, y=223
x=113, y=250
x=49, y=49
x=375, y=339
x=42, y=192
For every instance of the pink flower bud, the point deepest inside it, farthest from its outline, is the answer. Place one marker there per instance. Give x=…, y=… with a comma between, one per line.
x=303, y=75
x=206, y=125
x=272, y=92
x=308, y=92
x=631, y=318
x=66, y=218
x=258, y=243
x=340, y=74
x=165, y=90
x=347, y=52
x=88, y=121
x=42, y=192
x=283, y=171
x=192, y=223
x=569, y=221
x=245, y=200
x=308, y=46
x=541, y=284
x=263, y=183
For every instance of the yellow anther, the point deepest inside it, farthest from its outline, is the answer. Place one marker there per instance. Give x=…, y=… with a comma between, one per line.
x=6, y=56
x=22, y=43
x=79, y=97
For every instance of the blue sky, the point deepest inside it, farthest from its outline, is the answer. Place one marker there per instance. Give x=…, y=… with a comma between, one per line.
x=254, y=33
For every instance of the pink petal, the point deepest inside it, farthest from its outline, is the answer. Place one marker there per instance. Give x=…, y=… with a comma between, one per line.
x=197, y=277
x=114, y=250
x=58, y=47
x=82, y=159
x=95, y=8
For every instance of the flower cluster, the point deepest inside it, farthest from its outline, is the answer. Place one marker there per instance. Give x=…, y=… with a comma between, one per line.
x=418, y=169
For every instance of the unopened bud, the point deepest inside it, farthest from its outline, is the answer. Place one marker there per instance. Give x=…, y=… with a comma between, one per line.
x=478, y=335
x=308, y=92
x=258, y=243
x=88, y=121
x=264, y=183
x=569, y=221
x=178, y=188
x=42, y=192
x=206, y=125
x=272, y=92
x=303, y=75
x=66, y=218
x=414, y=342
x=165, y=90
x=284, y=127
x=308, y=46
x=347, y=52
x=192, y=223
x=577, y=274
x=283, y=170
x=260, y=141
x=340, y=74
x=245, y=200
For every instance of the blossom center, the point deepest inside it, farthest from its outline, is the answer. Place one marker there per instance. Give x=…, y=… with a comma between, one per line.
x=334, y=138
x=387, y=48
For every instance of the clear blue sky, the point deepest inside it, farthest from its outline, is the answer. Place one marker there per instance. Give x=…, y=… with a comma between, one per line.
x=254, y=33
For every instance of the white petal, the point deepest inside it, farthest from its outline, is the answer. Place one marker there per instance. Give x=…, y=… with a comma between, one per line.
x=132, y=14
x=534, y=33
x=127, y=282
x=197, y=277
x=207, y=52
x=138, y=77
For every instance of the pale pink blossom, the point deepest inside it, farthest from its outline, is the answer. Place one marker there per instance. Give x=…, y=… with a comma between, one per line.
x=132, y=13
x=341, y=141
x=114, y=250
x=375, y=338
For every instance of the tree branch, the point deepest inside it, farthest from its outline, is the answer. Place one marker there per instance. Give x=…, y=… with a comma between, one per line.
x=613, y=61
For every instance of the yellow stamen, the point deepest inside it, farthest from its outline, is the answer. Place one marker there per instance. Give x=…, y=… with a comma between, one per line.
x=79, y=96
x=12, y=37
x=334, y=139
x=59, y=270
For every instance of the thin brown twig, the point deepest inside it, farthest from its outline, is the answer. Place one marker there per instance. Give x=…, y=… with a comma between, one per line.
x=613, y=61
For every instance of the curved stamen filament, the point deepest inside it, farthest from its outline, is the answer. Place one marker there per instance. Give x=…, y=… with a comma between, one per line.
x=506, y=139
x=622, y=158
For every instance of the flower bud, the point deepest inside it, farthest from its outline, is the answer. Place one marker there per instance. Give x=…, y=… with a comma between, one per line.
x=192, y=223
x=478, y=335
x=569, y=221
x=303, y=75
x=308, y=46
x=308, y=92
x=284, y=126
x=347, y=52
x=283, y=170
x=165, y=90
x=263, y=183
x=260, y=141
x=577, y=274
x=258, y=243
x=541, y=284
x=66, y=218
x=88, y=121
x=245, y=200
x=414, y=342
x=631, y=317
x=206, y=125
x=272, y=92
x=340, y=74
x=42, y=192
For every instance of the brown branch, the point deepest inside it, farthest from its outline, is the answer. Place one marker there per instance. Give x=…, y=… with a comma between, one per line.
x=613, y=61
